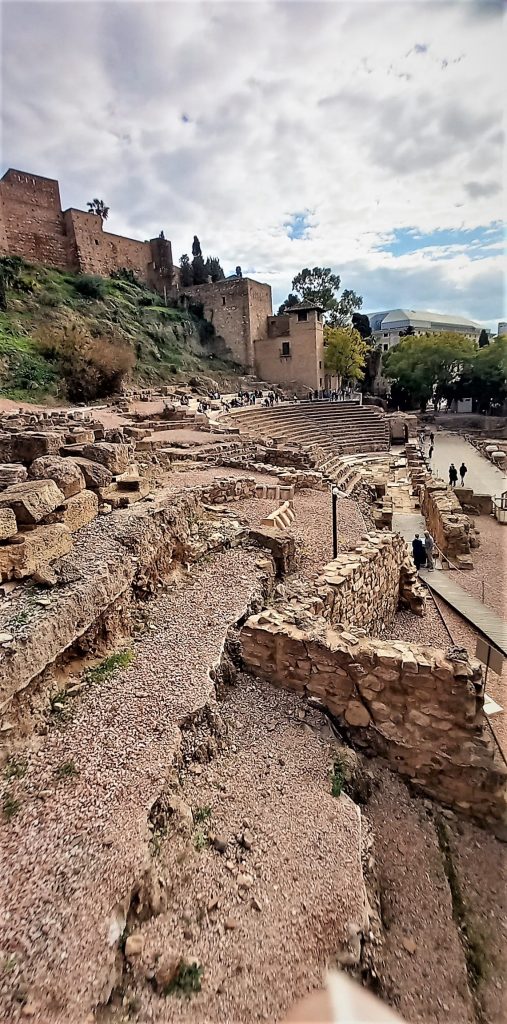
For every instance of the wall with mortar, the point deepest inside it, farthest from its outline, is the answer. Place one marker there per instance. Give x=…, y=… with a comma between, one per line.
x=447, y=523
x=33, y=225
x=238, y=309
x=420, y=709
x=364, y=586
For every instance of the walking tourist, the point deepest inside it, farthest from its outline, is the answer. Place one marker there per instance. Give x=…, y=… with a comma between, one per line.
x=430, y=453
x=429, y=544
x=418, y=551
x=463, y=472
x=432, y=437
x=453, y=475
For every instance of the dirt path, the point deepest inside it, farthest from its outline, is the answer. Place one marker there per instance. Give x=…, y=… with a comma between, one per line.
x=264, y=944
x=78, y=839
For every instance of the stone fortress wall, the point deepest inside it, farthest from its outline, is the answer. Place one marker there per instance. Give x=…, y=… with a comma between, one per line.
x=238, y=308
x=34, y=226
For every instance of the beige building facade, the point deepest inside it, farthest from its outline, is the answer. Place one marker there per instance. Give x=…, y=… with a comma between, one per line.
x=286, y=350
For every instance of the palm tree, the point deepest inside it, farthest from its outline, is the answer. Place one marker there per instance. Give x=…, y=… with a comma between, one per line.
x=98, y=207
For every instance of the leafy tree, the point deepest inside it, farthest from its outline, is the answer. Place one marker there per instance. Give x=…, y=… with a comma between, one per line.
x=485, y=379
x=213, y=269
x=428, y=364
x=320, y=286
x=345, y=353
x=483, y=339
x=196, y=247
x=291, y=300
x=186, y=272
x=361, y=323
x=99, y=208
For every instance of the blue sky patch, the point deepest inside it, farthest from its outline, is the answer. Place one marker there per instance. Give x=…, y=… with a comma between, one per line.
x=298, y=225
x=408, y=240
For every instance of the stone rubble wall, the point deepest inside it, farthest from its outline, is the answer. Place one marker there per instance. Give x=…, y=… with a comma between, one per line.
x=364, y=586
x=419, y=708
x=448, y=524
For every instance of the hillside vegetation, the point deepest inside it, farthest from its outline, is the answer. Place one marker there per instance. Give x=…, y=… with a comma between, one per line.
x=73, y=337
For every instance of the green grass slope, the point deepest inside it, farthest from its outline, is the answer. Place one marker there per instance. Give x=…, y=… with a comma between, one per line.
x=45, y=309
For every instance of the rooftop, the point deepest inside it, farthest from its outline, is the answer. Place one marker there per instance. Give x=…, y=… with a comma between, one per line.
x=424, y=316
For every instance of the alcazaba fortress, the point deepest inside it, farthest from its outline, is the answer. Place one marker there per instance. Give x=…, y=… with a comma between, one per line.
x=281, y=349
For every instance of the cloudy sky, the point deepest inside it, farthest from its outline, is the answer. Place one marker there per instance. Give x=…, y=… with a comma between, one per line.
x=364, y=136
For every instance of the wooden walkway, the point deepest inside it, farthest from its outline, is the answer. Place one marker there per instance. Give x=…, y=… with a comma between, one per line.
x=478, y=614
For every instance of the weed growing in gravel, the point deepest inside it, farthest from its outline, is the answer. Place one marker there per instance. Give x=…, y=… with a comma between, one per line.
x=186, y=981
x=201, y=814
x=9, y=965
x=66, y=770
x=101, y=672
x=10, y=806
x=59, y=705
x=15, y=769
x=337, y=778
x=201, y=840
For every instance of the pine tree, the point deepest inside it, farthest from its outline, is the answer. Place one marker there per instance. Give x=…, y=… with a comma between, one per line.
x=186, y=272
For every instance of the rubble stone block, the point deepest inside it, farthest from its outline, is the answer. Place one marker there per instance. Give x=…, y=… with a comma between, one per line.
x=31, y=445
x=12, y=473
x=8, y=524
x=115, y=457
x=33, y=500
x=65, y=473
x=76, y=511
x=95, y=475
x=33, y=550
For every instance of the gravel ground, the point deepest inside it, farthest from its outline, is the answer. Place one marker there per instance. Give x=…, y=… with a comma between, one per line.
x=421, y=966
x=194, y=475
x=79, y=838
x=481, y=865
x=265, y=945
x=312, y=526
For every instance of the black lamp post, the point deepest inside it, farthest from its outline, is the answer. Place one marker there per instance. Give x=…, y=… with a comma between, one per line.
x=335, y=491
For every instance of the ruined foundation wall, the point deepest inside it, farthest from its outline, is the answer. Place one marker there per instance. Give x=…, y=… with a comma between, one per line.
x=363, y=587
x=418, y=708
x=447, y=522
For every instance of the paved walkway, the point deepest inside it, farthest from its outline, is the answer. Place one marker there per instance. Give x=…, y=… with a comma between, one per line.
x=482, y=476
x=478, y=614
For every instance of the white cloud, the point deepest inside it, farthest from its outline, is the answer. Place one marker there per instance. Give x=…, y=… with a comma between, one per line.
x=227, y=119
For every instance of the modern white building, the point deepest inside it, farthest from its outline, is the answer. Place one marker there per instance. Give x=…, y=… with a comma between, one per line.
x=387, y=325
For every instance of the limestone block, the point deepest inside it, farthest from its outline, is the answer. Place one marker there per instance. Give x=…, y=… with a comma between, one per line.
x=27, y=446
x=8, y=525
x=33, y=500
x=76, y=511
x=356, y=714
x=115, y=457
x=65, y=473
x=34, y=549
x=12, y=473
x=80, y=436
x=95, y=475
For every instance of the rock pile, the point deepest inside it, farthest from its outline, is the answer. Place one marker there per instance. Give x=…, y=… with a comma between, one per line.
x=54, y=481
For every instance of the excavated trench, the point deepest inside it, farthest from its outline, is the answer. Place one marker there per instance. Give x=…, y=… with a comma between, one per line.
x=152, y=756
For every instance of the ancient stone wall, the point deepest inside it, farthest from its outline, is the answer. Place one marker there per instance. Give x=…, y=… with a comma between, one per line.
x=364, y=586
x=33, y=225
x=447, y=523
x=32, y=219
x=238, y=309
x=419, y=708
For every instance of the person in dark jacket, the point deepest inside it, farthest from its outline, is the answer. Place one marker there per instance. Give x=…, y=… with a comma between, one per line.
x=463, y=472
x=418, y=552
x=453, y=475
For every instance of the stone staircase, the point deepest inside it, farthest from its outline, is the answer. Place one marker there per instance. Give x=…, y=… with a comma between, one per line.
x=336, y=427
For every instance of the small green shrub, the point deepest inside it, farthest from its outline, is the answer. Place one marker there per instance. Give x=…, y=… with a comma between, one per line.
x=15, y=769
x=66, y=770
x=201, y=840
x=90, y=287
x=59, y=705
x=337, y=778
x=201, y=814
x=102, y=671
x=10, y=806
x=186, y=981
